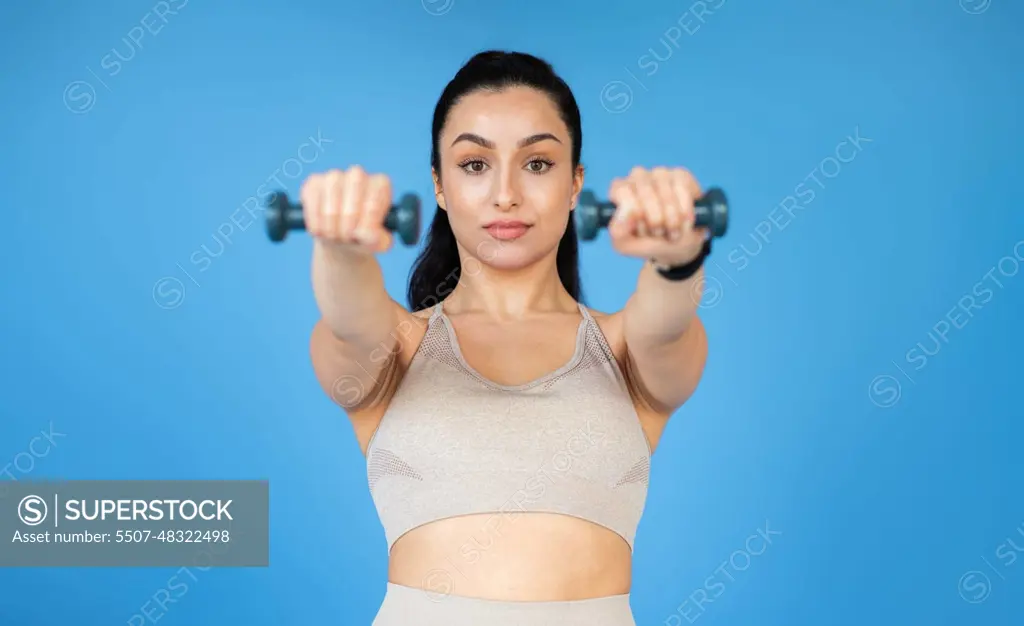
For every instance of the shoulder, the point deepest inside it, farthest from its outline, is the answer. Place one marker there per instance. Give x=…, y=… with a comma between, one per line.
x=610, y=325
x=423, y=314
x=418, y=320
x=595, y=313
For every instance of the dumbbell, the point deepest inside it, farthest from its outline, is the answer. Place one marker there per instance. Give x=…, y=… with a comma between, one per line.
x=284, y=215
x=711, y=211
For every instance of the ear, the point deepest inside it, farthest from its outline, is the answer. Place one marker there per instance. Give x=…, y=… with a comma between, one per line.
x=577, y=185
x=438, y=191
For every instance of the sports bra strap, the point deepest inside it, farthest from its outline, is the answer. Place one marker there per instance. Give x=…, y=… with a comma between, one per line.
x=583, y=311
x=439, y=308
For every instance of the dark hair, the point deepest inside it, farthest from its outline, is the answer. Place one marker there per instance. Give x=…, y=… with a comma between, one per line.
x=437, y=268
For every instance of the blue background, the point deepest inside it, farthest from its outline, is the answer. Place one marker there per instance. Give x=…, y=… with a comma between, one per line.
x=895, y=485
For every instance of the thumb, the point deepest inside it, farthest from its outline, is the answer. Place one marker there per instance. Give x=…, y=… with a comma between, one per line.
x=623, y=223
x=384, y=241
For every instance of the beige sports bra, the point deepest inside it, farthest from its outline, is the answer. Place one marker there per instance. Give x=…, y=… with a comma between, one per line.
x=455, y=443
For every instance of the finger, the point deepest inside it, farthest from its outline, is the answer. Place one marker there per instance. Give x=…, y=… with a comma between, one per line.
x=682, y=191
x=351, y=203
x=623, y=195
x=688, y=179
x=633, y=246
x=311, y=196
x=670, y=203
x=384, y=241
x=653, y=214
x=376, y=203
x=334, y=182
x=637, y=218
x=688, y=191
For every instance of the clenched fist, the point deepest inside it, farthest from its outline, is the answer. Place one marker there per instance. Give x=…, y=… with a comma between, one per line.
x=348, y=208
x=654, y=215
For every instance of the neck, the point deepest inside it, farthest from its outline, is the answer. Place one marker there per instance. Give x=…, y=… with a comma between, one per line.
x=507, y=294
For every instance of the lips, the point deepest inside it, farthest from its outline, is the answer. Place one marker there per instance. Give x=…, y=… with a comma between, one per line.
x=507, y=231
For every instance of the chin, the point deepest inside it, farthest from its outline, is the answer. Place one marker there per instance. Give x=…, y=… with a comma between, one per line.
x=508, y=255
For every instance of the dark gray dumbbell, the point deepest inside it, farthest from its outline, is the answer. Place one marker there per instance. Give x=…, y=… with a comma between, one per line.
x=284, y=215
x=711, y=211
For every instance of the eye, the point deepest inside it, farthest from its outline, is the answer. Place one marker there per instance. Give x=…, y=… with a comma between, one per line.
x=539, y=166
x=473, y=166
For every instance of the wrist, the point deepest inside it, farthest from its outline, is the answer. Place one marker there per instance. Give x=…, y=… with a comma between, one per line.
x=674, y=260
x=343, y=253
x=679, y=271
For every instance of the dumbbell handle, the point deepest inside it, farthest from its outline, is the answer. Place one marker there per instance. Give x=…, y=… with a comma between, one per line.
x=284, y=215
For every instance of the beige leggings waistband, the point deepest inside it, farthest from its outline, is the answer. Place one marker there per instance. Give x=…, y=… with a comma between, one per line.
x=407, y=606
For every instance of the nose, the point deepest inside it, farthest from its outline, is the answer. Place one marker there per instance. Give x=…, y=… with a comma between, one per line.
x=507, y=196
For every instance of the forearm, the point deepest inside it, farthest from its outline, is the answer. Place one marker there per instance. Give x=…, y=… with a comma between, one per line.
x=660, y=311
x=349, y=289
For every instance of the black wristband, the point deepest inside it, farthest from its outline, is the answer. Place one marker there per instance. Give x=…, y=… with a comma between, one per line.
x=682, y=272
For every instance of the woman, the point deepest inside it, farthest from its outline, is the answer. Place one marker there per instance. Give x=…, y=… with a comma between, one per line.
x=507, y=428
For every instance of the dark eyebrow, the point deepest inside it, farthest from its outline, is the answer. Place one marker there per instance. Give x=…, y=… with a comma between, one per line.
x=477, y=139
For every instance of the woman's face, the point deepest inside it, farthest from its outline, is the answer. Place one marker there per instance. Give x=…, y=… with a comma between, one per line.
x=507, y=179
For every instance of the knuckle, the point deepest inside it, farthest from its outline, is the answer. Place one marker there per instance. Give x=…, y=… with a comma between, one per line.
x=333, y=183
x=363, y=217
x=382, y=184
x=357, y=188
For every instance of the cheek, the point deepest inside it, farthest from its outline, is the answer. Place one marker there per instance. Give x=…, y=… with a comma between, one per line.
x=549, y=193
x=465, y=224
x=553, y=209
x=464, y=201
x=469, y=191
x=554, y=227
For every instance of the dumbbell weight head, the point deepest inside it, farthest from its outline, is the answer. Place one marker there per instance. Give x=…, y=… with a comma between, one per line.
x=277, y=205
x=588, y=216
x=404, y=219
x=712, y=212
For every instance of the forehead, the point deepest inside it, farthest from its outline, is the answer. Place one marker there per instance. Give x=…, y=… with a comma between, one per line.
x=505, y=116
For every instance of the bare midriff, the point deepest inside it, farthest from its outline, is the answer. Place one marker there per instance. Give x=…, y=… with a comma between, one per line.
x=513, y=556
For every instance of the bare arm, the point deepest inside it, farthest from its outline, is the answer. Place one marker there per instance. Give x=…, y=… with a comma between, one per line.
x=666, y=347
x=349, y=289
x=665, y=340
x=353, y=345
